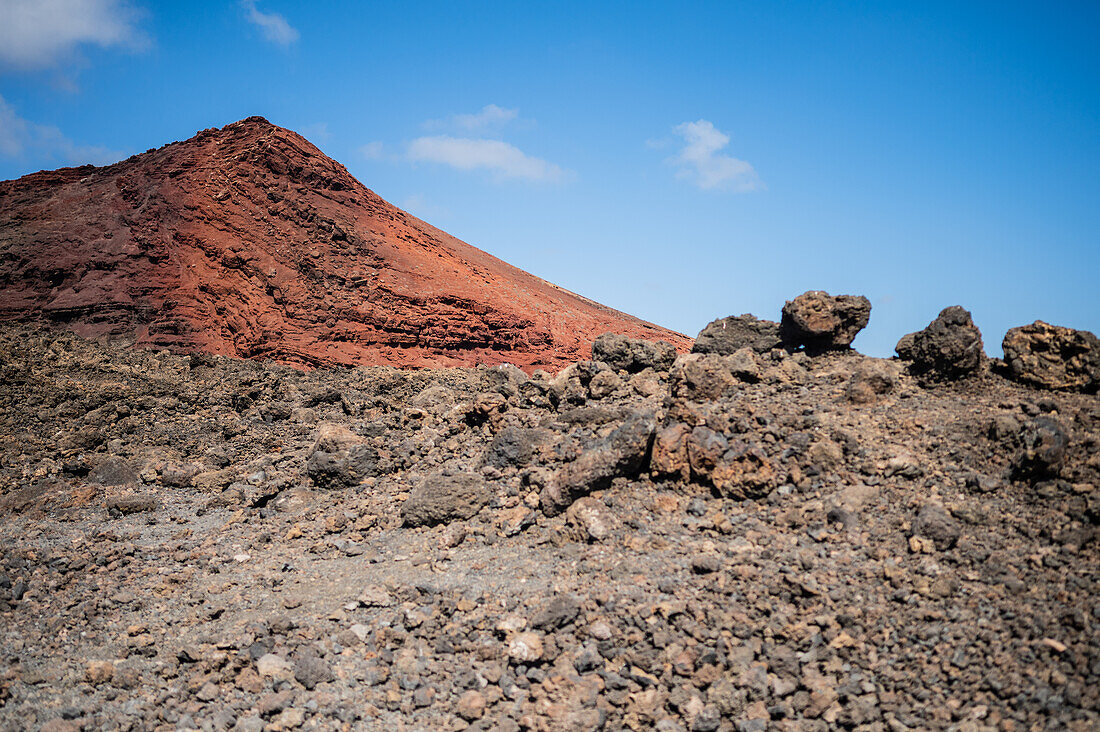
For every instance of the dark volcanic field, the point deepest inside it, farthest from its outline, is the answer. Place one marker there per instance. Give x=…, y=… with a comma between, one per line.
x=721, y=543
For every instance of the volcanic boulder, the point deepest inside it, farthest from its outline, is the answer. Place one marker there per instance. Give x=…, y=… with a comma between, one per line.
x=950, y=347
x=1043, y=445
x=340, y=458
x=823, y=322
x=441, y=498
x=726, y=336
x=622, y=453
x=631, y=354
x=1053, y=357
x=700, y=377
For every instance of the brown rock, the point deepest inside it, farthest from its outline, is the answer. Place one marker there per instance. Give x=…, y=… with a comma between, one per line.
x=471, y=705
x=670, y=452
x=525, y=647
x=744, y=471
x=823, y=322
x=622, y=453
x=99, y=672
x=443, y=498
x=136, y=503
x=1052, y=357
x=700, y=377
x=592, y=517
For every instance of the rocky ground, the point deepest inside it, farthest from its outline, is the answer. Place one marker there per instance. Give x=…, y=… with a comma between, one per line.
x=763, y=540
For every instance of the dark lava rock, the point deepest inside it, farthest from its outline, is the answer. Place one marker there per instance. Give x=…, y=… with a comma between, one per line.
x=622, y=453
x=632, y=354
x=514, y=447
x=1043, y=449
x=935, y=523
x=114, y=471
x=726, y=336
x=561, y=610
x=950, y=347
x=1052, y=357
x=823, y=322
x=443, y=498
x=700, y=377
x=311, y=671
x=340, y=458
x=344, y=468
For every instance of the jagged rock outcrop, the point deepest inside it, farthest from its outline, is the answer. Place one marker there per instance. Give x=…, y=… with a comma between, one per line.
x=950, y=347
x=726, y=336
x=248, y=241
x=1053, y=357
x=822, y=322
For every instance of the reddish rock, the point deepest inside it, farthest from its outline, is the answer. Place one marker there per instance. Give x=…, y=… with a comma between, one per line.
x=248, y=241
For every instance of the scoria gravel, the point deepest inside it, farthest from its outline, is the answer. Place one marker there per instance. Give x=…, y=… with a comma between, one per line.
x=745, y=542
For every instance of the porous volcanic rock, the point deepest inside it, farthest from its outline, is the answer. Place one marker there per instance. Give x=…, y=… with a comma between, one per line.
x=248, y=241
x=690, y=550
x=726, y=336
x=823, y=322
x=441, y=498
x=950, y=347
x=631, y=354
x=1053, y=357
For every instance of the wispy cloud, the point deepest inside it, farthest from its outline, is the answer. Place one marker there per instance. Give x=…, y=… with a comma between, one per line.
x=273, y=25
x=489, y=116
x=372, y=150
x=37, y=34
x=702, y=162
x=20, y=138
x=500, y=158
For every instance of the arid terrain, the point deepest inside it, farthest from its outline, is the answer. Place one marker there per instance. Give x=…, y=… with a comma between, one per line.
x=276, y=455
x=772, y=533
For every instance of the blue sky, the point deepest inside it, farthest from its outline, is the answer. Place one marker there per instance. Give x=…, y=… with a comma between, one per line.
x=679, y=161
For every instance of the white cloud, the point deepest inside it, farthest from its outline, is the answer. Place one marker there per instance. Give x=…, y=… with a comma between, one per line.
x=273, y=25
x=372, y=150
x=702, y=163
x=487, y=117
x=498, y=157
x=20, y=138
x=41, y=33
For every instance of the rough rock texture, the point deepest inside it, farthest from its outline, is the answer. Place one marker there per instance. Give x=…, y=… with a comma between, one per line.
x=630, y=354
x=623, y=453
x=442, y=498
x=821, y=322
x=1053, y=357
x=1043, y=444
x=950, y=347
x=248, y=241
x=782, y=558
x=726, y=336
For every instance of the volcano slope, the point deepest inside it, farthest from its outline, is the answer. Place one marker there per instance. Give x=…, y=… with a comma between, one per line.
x=746, y=542
x=248, y=241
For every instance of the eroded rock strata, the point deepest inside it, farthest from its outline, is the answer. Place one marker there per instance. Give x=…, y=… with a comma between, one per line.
x=248, y=241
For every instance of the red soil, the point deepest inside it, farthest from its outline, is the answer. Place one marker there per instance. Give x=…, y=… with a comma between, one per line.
x=248, y=241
